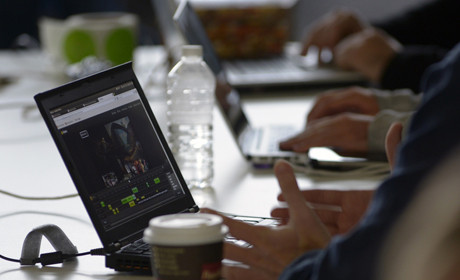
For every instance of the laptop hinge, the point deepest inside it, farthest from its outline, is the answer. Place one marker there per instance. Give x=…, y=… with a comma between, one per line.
x=192, y=209
x=113, y=247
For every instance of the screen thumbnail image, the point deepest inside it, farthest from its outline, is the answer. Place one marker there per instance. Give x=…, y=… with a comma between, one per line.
x=120, y=153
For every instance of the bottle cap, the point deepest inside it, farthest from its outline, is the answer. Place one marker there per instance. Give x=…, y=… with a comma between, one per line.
x=192, y=50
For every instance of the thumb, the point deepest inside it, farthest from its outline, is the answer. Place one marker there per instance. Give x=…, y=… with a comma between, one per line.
x=392, y=140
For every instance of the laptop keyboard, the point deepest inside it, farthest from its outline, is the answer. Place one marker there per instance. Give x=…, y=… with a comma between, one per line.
x=274, y=65
x=139, y=247
x=275, y=135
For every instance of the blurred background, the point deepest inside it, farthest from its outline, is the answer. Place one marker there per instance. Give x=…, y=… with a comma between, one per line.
x=18, y=18
x=306, y=11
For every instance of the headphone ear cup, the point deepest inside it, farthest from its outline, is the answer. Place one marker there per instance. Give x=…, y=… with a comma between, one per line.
x=54, y=234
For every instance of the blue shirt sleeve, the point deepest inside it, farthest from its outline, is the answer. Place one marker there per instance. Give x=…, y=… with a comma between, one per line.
x=433, y=134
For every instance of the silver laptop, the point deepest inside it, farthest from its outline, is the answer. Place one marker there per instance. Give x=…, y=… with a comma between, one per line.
x=288, y=70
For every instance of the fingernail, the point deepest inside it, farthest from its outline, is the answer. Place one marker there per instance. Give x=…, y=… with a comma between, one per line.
x=282, y=166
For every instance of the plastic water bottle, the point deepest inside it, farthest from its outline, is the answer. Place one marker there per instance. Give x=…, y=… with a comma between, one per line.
x=190, y=94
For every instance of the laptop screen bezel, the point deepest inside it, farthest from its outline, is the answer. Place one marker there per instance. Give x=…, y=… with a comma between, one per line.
x=88, y=86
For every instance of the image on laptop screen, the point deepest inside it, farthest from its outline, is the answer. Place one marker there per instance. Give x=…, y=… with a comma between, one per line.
x=124, y=173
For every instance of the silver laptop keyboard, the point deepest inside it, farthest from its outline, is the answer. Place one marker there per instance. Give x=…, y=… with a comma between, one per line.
x=276, y=134
x=274, y=65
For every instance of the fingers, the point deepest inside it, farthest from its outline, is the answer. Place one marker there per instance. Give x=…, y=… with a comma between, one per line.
x=294, y=143
x=352, y=99
x=329, y=197
x=281, y=213
x=316, y=38
x=317, y=134
x=367, y=52
x=288, y=183
x=346, y=132
x=328, y=31
x=253, y=257
x=329, y=218
x=309, y=229
x=254, y=235
x=322, y=106
x=392, y=141
x=243, y=272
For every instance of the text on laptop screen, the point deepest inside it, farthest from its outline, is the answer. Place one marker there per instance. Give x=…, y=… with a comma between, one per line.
x=109, y=136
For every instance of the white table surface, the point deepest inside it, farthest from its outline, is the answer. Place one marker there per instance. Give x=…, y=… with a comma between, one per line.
x=30, y=165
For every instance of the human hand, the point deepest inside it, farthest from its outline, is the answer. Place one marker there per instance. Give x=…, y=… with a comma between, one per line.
x=346, y=132
x=392, y=141
x=367, y=52
x=328, y=31
x=274, y=248
x=353, y=204
x=353, y=99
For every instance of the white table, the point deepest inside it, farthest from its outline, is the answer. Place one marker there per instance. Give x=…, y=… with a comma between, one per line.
x=31, y=166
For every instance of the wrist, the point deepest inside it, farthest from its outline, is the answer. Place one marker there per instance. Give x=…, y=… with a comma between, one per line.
x=380, y=65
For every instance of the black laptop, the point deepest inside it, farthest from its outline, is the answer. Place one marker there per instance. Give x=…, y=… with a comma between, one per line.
x=118, y=159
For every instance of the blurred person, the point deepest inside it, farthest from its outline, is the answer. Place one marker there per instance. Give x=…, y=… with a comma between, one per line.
x=303, y=247
x=393, y=53
x=434, y=252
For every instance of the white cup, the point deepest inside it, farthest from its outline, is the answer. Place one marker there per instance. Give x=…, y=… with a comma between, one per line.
x=186, y=246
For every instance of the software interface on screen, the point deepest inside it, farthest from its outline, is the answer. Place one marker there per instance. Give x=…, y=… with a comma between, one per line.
x=124, y=168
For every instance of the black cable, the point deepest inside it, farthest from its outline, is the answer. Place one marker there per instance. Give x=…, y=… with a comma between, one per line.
x=9, y=259
x=59, y=257
x=37, y=198
x=80, y=254
x=93, y=252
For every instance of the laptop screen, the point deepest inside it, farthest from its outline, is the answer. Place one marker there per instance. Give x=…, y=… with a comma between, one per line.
x=114, y=150
x=172, y=38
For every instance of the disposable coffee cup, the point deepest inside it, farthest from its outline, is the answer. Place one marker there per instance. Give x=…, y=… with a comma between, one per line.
x=186, y=246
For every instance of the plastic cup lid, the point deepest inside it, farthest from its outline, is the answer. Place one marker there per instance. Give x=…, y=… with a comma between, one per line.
x=185, y=229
